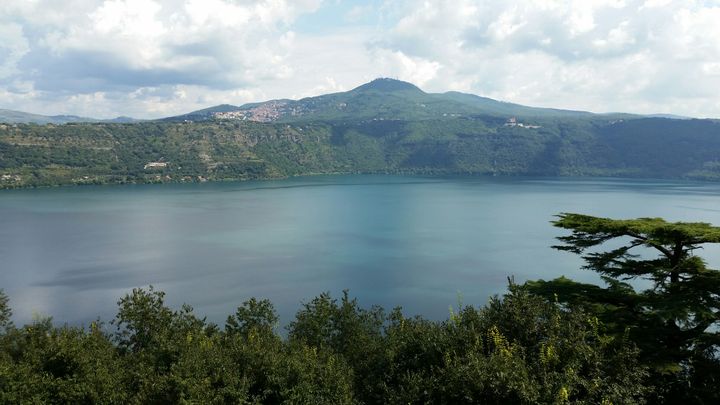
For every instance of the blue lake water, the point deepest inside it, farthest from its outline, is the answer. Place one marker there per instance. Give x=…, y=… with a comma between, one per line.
x=416, y=242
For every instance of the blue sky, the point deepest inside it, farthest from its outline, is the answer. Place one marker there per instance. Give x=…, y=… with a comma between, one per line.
x=154, y=58
x=334, y=15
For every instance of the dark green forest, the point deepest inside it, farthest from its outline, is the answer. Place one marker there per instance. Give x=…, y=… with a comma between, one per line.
x=552, y=341
x=102, y=153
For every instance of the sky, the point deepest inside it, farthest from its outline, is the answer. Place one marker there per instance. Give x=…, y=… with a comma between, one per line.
x=156, y=58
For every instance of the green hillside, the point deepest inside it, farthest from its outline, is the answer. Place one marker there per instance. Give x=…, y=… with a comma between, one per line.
x=34, y=155
x=385, y=126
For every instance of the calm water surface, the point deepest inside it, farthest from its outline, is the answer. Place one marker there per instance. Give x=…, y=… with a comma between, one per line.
x=416, y=242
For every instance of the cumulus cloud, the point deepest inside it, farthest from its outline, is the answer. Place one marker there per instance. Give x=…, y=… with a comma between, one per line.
x=12, y=49
x=89, y=50
x=600, y=55
x=150, y=58
x=128, y=43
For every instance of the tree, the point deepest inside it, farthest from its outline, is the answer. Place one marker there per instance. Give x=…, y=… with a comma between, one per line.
x=676, y=321
x=5, y=312
x=253, y=316
x=346, y=329
x=142, y=320
x=531, y=350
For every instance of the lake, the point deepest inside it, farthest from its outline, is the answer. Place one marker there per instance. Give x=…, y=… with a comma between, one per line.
x=417, y=242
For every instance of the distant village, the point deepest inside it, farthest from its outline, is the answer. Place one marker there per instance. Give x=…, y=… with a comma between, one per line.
x=10, y=178
x=513, y=122
x=266, y=112
x=274, y=110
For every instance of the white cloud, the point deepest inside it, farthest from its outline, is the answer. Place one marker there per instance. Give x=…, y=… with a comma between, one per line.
x=411, y=69
x=150, y=58
x=13, y=47
x=88, y=50
x=600, y=55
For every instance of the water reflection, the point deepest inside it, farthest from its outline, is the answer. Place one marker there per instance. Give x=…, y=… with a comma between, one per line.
x=392, y=240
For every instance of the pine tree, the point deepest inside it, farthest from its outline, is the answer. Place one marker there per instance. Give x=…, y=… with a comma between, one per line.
x=675, y=322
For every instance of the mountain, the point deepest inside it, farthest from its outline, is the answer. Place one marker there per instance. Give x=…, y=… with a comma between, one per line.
x=670, y=116
x=122, y=120
x=14, y=117
x=385, y=126
x=387, y=85
x=18, y=117
x=490, y=106
x=382, y=98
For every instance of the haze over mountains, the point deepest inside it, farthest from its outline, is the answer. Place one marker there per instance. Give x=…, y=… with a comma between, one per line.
x=381, y=98
x=20, y=117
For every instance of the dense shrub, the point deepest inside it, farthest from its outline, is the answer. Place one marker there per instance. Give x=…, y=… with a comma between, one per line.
x=517, y=349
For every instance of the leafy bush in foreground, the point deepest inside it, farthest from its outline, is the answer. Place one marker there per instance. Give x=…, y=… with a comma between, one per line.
x=517, y=349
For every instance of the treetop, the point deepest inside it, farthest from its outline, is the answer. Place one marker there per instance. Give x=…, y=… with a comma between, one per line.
x=591, y=231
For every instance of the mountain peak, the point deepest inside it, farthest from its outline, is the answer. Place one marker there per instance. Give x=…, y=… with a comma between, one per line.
x=386, y=84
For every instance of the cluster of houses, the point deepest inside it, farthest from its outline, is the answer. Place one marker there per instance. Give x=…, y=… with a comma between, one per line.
x=266, y=112
x=513, y=122
x=155, y=165
x=232, y=115
x=10, y=177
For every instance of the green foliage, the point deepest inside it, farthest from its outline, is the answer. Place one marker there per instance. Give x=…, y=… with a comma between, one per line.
x=344, y=328
x=44, y=364
x=5, y=312
x=253, y=317
x=519, y=349
x=676, y=321
x=400, y=137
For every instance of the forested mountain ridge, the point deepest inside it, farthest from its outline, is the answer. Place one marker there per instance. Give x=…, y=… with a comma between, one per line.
x=20, y=117
x=381, y=98
x=385, y=126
